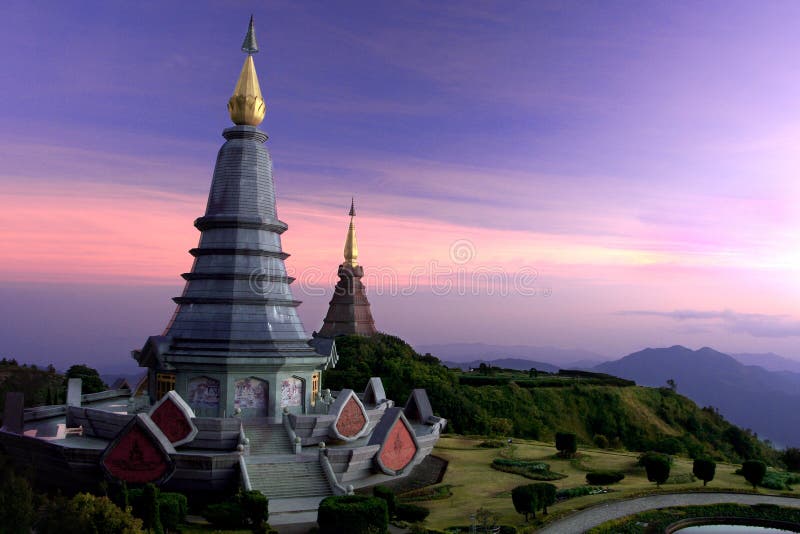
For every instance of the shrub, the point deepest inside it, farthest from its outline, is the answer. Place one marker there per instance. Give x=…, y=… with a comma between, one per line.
x=225, y=515
x=754, y=471
x=151, y=518
x=255, y=507
x=657, y=467
x=411, y=513
x=528, y=469
x=791, y=457
x=172, y=508
x=16, y=500
x=580, y=491
x=601, y=441
x=353, y=514
x=87, y=513
x=492, y=444
x=524, y=499
x=603, y=478
x=704, y=469
x=669, y=446
x=382, y=492
x=647, y=456
x=566, y=443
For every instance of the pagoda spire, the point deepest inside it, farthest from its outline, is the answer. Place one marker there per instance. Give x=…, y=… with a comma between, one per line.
x=247, y=106
x=351, y=243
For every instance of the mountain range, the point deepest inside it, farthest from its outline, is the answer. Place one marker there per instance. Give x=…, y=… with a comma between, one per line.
x=481, y=352
x=747, y=395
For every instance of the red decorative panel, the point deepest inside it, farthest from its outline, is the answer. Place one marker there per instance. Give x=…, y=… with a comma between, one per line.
x=399, y=448
x=136, y=458
x=351, y=420
x=172, y=421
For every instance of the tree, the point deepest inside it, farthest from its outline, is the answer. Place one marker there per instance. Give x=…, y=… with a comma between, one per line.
x=486, y=520
x=524, y=499
x=791, y=457
x=150, y=514
x=545, y=495
x=16, y=501
x=501, y=426
x=704, y=469
x=90, y=378
x=754, y=471
x=566, y=443
x=657, y=467
x=672, y=385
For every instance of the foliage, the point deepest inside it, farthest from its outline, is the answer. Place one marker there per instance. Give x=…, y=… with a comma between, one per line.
x=604, y=478
x=754, y=471
x=635, y=418
x=225, y=515
x=151, y=518
x=545, y=495
x=657, y=467
x=791, y=457
x=658, y=520
x=704, y=469
x=492, y=444
x=579, y=491
x=646, y=457
x=90, y=378
x=601, y=441
x=354, y=514
x=428, y=493
x=528, y=469
x=524, y=499
x=780, y=480
x=38, y=386
x=86, y=513
x=16, y=500
x=411, y=513
x=382, y=492
x=172, y=509
x=501, y=426
x=255, y=507
x=566, y=443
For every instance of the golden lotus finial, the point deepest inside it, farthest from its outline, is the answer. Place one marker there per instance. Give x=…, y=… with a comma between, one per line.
x=247, y=106
x=350, y=244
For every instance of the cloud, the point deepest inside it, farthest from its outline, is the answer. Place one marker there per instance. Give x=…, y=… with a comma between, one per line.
x=754, y=324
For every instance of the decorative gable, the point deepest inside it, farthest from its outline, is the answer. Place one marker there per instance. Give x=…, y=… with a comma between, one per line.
x=173, y=416
x=351, y=417
x=398, y=442
x=139, y=454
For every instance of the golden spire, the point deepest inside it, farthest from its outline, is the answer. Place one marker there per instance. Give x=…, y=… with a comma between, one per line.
x=351, y=244
x=246, y=106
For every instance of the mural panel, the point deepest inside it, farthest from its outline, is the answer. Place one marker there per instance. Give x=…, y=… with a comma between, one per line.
x=250, y=395
x=399, y=448
x=203, y=393
x=291, y=392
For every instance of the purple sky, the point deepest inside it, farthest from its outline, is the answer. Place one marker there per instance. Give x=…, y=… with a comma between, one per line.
x=641, y=158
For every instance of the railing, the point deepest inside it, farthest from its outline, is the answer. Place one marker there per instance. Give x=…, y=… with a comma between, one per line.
x=46, y=412
x=333, y=482
x=245, y=477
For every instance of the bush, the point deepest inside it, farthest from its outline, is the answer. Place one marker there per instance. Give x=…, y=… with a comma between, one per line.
x=528, y=469
x=657, y=467
x=382, y=492
x=524, y=499
x=647, y=456
x=16, y=500
x=151, y=517
x=704, y=469
x=754, y=471
x=566, y=443
x=492, y=444
x=603, y=478
x=791, y=457
x=172, y=508
x=352, y=514
x=87, y=513
x=580, y=491
x=255, y=507
x=225, y=515
x=601, y=441
x=411, y=513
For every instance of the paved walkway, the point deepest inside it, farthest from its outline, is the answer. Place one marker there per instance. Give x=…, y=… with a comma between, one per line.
x=591, y=517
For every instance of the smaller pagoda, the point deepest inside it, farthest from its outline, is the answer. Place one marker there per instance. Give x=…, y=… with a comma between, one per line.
x=349, y=312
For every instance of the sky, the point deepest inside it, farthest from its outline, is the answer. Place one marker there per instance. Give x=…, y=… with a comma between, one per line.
x=604, y=175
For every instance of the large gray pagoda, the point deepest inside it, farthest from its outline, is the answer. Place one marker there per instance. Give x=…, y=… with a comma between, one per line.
x=349, y=310
x=235, y=343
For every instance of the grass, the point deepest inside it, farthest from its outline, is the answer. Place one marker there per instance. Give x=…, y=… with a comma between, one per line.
x=474, y=483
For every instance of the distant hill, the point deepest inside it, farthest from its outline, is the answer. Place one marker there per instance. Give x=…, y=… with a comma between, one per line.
x=747, y=395
x=468, y=352
x=506, y=363
x=769, y=361
x=638, y=418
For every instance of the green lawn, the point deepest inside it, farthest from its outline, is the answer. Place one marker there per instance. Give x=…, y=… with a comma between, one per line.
x=474, y=483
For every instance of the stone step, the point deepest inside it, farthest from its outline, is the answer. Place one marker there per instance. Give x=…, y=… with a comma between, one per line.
x=268, y=439
x=289, y=479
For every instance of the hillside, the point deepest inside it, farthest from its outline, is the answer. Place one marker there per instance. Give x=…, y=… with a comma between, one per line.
x=637, y=418
x=40, y=386
x=556, y=357
x=505, y=363
x=749, y=396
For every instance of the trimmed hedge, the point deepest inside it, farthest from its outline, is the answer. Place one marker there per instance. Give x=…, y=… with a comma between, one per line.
x=225, y=515
x=603, y=478
x=382, y=492
x=528, y=469
x=352, y=514
x=172, y=508
x=411, y=513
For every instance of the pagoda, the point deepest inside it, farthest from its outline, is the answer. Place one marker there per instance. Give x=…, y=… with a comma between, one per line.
x=349, y=312
x=235, y=344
